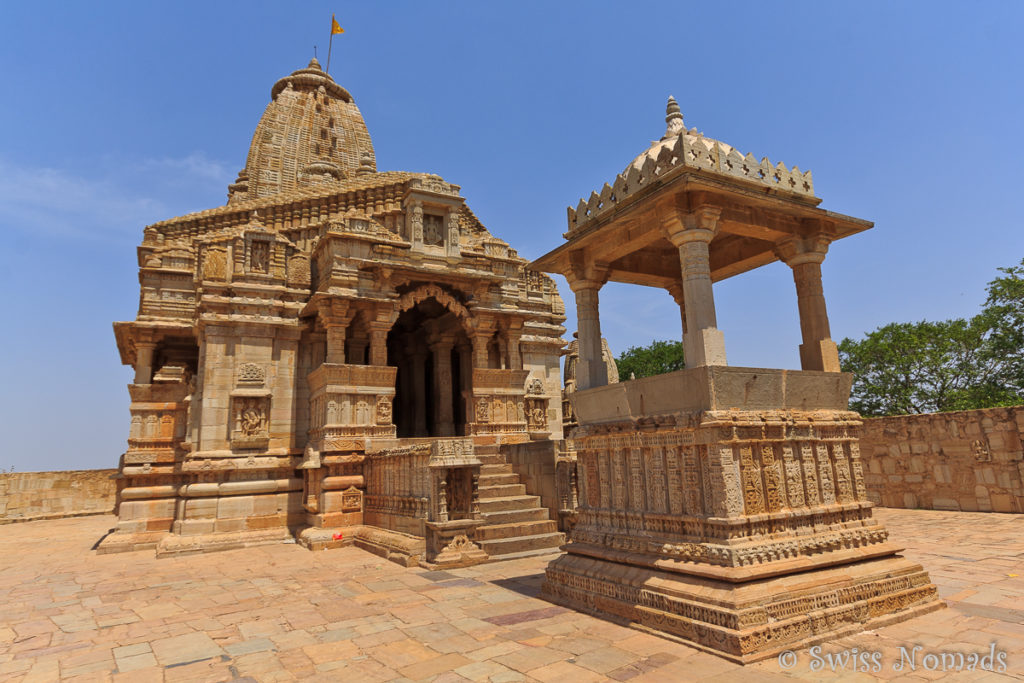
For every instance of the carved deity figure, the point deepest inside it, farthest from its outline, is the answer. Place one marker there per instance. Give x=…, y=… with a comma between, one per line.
x=252, y=417
x=433, y=233
x=259, y=257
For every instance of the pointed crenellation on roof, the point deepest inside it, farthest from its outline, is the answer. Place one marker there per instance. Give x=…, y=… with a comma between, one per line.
x=680, y=148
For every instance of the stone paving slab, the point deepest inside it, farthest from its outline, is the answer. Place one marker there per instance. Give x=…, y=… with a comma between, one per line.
x=282, y=613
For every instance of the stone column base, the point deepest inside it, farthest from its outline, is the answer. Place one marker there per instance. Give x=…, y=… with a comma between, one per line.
x=822, y=355
x=745, y=622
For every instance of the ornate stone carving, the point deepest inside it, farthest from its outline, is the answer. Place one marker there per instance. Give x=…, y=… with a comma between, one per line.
x=251, y=374
x=259, y=256
x=433, y=229
x=383, y=410
x=214, y=264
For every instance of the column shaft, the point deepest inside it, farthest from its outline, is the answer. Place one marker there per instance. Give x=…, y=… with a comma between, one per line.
x=336, y=344
x=419, y=392
x=144, y=362
x=590, y=370
x=818, y=351
x=443, y=414
x=378, y=347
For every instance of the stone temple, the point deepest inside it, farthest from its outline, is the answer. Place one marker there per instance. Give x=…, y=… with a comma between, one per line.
x=335, y=355
x=340, y=355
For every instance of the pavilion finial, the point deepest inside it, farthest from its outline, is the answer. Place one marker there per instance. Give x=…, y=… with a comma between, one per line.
x=673, y=119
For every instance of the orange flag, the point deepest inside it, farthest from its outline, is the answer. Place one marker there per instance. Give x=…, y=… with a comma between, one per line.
x=335, y=26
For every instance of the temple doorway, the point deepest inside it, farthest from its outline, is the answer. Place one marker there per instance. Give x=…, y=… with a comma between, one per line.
x=433, y=354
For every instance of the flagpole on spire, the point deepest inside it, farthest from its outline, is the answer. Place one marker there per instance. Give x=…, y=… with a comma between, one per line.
x=335, y=28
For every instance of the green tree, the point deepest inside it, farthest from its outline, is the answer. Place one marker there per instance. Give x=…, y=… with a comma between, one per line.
x=656, y=358
x=955, y=364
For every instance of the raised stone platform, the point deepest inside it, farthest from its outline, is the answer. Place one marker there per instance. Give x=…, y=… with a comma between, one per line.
x=726, y=507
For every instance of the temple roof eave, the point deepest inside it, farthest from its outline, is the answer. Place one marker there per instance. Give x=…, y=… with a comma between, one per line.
x=635, y=223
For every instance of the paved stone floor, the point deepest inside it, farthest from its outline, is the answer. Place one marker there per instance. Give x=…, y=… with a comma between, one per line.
x=279, y=613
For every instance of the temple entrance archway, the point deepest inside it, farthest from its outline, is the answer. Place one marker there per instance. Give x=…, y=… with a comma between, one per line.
x=431, y=349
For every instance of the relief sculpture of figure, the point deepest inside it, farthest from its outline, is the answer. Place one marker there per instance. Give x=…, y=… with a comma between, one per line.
x=252, y=418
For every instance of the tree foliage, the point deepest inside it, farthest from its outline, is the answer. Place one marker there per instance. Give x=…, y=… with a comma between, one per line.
x=956, y=364
x=656, y=358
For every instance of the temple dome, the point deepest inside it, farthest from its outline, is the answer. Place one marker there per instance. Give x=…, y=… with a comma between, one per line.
x=673, y=129
x=310, y=133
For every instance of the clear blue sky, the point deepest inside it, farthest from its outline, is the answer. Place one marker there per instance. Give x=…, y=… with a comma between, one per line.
x=116, y=114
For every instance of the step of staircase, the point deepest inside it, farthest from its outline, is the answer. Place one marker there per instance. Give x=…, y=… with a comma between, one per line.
x=519, y=544
x=493, y=532
x=496, y=479
x=510, y=516
x=496, y=469
x=509, y=503
x=515, y=525
x=502, y=490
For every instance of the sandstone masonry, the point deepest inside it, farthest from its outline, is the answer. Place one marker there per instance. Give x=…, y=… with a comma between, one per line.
x=965, y=460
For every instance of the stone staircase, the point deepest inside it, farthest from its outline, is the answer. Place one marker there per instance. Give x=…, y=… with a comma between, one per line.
x=515, y=525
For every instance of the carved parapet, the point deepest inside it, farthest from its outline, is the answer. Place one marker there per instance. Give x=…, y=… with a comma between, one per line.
x=159, y=413
x=349, y=403
x=499, y=381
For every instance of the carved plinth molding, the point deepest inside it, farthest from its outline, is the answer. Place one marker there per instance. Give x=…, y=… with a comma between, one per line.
x=741, y=532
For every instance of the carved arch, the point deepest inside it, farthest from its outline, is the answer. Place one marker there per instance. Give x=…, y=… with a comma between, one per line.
x=423, y=292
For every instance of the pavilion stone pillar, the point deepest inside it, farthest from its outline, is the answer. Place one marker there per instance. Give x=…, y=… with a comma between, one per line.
x=676, y=290
x=703, y=342
x=804, y=256
x=444, y=422
x=144, y=361
x=591, y=370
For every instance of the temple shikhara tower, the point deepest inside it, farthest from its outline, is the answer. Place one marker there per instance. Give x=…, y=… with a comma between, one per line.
x=335, y=355
x=721, y=506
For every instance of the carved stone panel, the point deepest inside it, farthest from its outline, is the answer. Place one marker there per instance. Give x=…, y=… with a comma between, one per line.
x=433, y=230
x=251, y=421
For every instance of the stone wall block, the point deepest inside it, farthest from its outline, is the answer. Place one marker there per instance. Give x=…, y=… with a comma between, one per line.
x=968, y=460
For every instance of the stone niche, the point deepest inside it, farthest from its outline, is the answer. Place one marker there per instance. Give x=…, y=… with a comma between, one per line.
x=725, y=508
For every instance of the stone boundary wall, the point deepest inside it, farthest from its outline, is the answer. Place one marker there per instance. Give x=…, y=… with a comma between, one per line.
x=967, y=460
x=28, y=496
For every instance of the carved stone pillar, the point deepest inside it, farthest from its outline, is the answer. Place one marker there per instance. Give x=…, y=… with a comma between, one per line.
x=415, y=212
x=479, y=341
x=378, y=345
x=451, y=244
x=703, y=343
x=335, y=344
x=515, y=357
x=444, y=423
x=466, y=377
x=590, y=369
x=419, y=391
x=804, y=256
x=144, y=361
x=335, y=317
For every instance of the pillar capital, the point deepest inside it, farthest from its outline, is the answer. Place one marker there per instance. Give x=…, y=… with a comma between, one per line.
x=585, y=273
x=700, y=225
x=797, y=250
